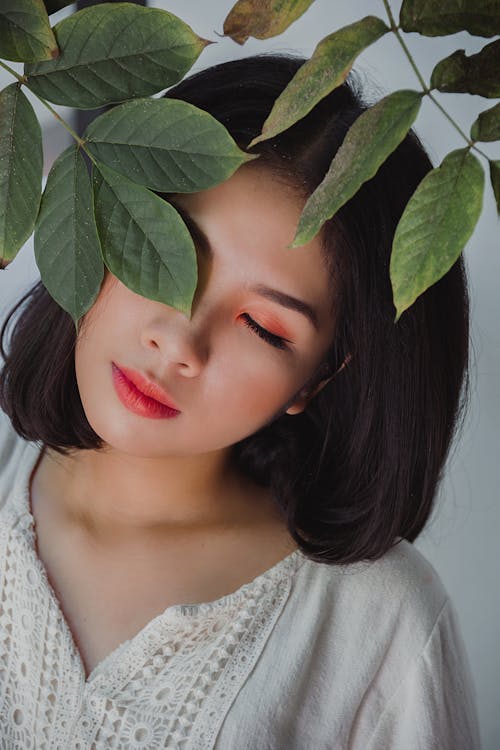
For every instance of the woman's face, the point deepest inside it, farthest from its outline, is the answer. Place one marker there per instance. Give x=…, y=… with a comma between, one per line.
x=225, y=379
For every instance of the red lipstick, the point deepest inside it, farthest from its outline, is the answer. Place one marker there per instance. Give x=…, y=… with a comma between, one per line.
x=141, y=396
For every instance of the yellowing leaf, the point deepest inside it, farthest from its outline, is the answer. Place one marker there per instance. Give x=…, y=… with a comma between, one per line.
x=262, y=19
x=436, y=224
x=328, y=68
x=369, y=141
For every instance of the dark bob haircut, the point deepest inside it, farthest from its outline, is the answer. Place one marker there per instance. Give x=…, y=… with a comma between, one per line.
x=359, y=468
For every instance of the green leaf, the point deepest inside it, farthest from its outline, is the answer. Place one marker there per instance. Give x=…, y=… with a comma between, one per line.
x=55, y=5
x=165, y=144
x=435, y=226
x=115, y=51
x=328, y=68
x=369, y=141
x=25, y=33
x=262, y=19
x=67, y=250
x=441, y=17
x=21, y=165
x=477, y=74
x=144, y=241
x=487, y=125
x=495, y=180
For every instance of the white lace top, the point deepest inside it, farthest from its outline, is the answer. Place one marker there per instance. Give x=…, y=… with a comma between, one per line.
x=364, y=657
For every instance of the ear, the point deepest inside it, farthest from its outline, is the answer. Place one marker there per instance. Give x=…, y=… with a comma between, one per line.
x=306, y=395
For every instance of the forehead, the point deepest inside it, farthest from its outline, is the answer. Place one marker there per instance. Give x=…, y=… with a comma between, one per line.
x=249, y=192
x=249, y=220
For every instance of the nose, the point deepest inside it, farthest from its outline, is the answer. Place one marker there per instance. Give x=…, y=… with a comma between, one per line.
x=176, y=342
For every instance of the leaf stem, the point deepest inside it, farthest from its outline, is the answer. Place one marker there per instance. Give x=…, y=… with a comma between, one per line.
x=471, y=143
x=21, y=79
x=395, y=30
x=24, y=80
x=58, y=117
x=425, y=88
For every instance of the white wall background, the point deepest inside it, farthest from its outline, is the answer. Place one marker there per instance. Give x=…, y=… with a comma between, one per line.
x=462, y=538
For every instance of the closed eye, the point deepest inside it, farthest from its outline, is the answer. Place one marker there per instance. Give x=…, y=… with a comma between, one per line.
x=271, y=338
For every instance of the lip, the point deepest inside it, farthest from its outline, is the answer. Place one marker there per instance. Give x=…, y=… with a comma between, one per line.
x=141, y=395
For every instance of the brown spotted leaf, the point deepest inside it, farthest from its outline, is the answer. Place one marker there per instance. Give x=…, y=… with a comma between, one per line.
x=368, y=142
x=262, y=19
x=328, y=68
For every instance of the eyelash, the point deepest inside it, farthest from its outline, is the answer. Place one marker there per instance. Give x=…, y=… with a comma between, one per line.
x=271, y=338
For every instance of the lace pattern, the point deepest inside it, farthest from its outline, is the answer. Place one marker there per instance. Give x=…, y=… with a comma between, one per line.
x=168, y=687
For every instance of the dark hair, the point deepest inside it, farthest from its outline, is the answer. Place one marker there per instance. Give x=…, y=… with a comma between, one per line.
x=360, y=466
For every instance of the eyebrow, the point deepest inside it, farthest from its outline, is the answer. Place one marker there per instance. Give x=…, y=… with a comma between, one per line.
x=281, y=298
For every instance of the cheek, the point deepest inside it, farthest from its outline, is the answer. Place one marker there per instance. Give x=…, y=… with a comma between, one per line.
x=85, y=360
x=93, y=348
x=250, y=389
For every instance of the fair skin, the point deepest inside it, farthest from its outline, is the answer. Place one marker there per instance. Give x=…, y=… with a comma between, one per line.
x=156, y=476
x=159, y=516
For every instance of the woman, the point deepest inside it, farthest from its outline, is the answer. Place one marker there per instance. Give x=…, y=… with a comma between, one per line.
x=207, y=523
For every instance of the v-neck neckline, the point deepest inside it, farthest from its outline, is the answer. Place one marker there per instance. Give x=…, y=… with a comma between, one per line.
x=182, y=614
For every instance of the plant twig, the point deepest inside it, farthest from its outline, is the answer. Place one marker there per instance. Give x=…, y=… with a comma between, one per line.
x=425, y=88
x=471, y=143
x=21, y=79
x=24, y=80
x=395, y=30
x=56, y=114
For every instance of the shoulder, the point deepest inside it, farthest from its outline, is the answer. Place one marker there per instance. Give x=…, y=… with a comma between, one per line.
x=370, y=655
x=11, y=446
x=13, y=454
x=402, y=576
x=383, y=637
x=397, y=598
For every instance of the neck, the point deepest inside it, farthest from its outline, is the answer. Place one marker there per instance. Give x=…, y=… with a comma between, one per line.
x=114, y=497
